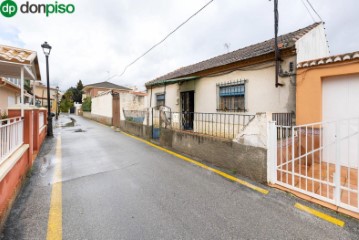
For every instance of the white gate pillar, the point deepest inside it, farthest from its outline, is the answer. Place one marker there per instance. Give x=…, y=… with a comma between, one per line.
x=271, y=152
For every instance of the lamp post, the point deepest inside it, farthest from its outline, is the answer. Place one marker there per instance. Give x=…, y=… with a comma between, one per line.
x=47, y=49
x=57, y=103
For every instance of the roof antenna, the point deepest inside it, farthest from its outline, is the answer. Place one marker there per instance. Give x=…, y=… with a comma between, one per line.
x=277, y=53
x=227, y=46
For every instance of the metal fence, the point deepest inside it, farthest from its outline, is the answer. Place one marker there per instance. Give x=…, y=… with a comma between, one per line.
x=321, y=160
x=212, y=124
x=11, y=136
x=136, y=116
x=283, y=119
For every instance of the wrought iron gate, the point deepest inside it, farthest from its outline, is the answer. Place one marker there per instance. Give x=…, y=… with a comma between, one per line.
x=320, y=160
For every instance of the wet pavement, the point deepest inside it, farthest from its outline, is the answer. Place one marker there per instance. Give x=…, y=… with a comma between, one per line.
x=115, y=187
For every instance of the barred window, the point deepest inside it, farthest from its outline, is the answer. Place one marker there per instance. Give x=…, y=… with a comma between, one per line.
x=160, y=99
x=231, y=96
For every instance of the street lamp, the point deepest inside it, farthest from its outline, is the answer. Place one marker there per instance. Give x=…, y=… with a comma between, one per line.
x=47, y=49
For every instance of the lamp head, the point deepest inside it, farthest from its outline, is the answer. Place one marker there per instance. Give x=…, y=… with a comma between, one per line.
x=46, y=48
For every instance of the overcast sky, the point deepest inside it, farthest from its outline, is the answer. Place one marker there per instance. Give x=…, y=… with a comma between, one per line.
x=102, y=37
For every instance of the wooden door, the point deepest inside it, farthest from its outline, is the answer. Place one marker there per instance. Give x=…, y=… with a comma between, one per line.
x=116, y=110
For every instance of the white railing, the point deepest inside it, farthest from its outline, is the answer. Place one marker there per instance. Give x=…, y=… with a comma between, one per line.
x=15, y=81
x=11, y=136
x=321, y=160
x=41, y=120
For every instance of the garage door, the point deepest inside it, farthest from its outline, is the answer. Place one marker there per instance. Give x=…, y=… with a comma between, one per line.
x=340, y=97
x=341, y=110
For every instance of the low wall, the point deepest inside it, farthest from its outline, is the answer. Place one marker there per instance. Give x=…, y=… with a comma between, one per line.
x=14, y=168
x=87, y=115
x=136, y=129
x=42, y=135
x=246, y=160
x=101, y=105
x=98, y=118
x=12, y=173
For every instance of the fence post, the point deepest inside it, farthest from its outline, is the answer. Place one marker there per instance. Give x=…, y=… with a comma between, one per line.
x=337, y=164
x=152, y=124
x=271, y=152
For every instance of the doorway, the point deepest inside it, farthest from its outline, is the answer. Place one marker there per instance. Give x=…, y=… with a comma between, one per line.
x=187, y=107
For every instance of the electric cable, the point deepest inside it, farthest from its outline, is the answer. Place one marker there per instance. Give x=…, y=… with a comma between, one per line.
x=311, y=15
x=164, y=39
x=311, y=6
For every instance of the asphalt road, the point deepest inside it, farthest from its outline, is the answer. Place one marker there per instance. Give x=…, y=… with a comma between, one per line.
x=116, y=187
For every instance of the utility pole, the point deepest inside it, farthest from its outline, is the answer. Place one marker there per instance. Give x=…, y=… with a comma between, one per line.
x=277, y=53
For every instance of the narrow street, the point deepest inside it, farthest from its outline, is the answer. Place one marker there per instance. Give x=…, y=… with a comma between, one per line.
x=113, y=186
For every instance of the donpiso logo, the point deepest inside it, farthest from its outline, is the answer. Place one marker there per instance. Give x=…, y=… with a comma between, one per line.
x=8, y=8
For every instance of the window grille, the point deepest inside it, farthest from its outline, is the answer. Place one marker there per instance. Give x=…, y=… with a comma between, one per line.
x=231, y=96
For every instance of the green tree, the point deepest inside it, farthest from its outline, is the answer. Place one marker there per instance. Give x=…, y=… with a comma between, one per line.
x=86, y=104
x=80, y=86
x=77, y=92
x=66, y=101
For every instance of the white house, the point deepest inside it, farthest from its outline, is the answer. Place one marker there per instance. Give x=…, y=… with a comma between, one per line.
x=16, y=66
x=242, y=80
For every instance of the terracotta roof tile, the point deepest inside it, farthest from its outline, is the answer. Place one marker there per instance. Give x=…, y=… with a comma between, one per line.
x=255, y=50
x=16, y=55
x=328, y=60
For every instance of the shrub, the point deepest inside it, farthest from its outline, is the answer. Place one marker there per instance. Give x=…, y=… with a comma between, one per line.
x=3, y=115
x=86, y=104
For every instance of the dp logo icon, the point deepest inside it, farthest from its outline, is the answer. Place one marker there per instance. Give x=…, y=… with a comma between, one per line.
x=8, y=8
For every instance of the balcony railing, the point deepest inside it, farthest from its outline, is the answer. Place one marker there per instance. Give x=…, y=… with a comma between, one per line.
x=11, y=136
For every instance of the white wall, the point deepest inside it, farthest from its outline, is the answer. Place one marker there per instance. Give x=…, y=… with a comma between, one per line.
x=77, y=108
x=102, y=105
x=129, y=101
x=312, y=45
x=261, y=94
x=172, y=96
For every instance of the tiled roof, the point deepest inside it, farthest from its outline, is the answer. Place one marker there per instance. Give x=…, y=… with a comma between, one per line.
x=106, y=85
x=12, y=59
x=284, y=41
x=16, y=55
x=328, y=60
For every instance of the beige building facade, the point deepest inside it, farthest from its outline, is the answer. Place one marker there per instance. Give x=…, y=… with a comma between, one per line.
x=40, y=91
x=9, y=95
